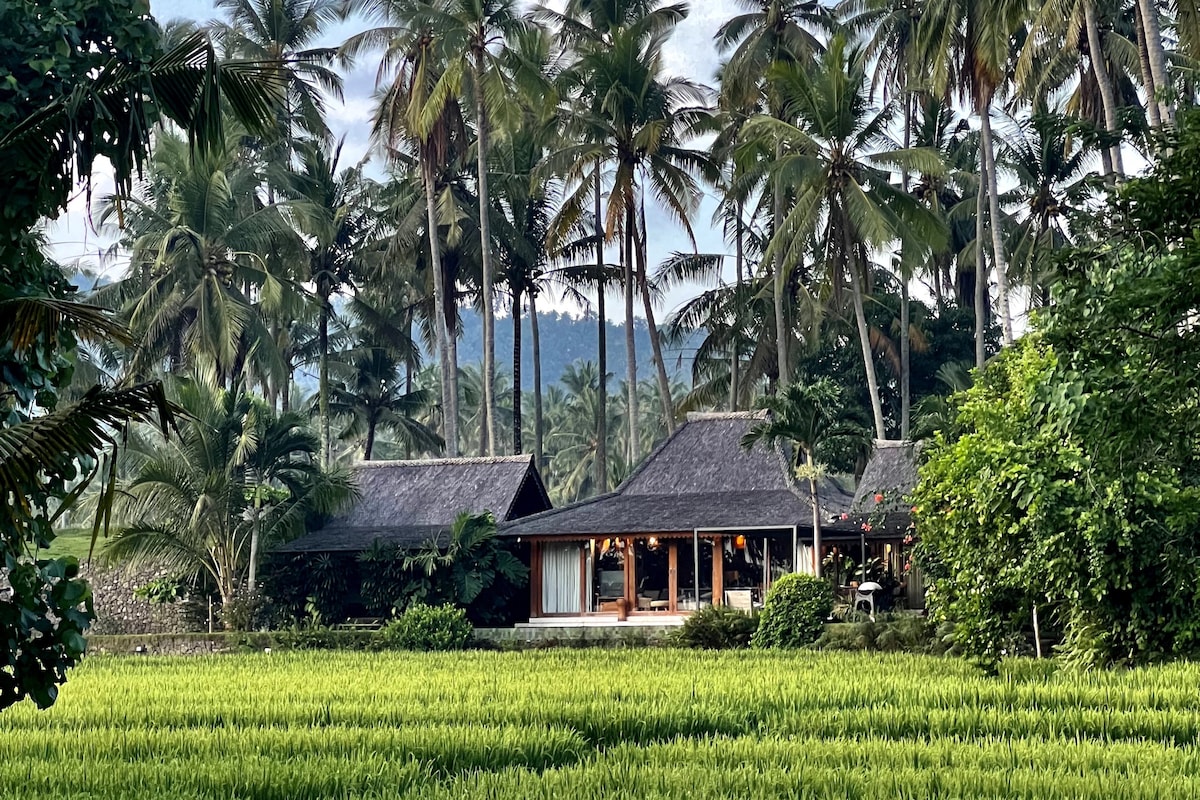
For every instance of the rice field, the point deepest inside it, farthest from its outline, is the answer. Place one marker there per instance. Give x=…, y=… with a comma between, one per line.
x=602, y=724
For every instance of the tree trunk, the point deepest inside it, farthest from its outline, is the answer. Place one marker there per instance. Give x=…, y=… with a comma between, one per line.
x=643, y=278
x=905, y=359
x=993, y=196
x=905, y=337
x=516, y=315
x=981, y=273
x=1100, y=67
x=409, y=369
x=369, y=445
x=255, y=535
x=816, y=513
x=630, y=342
x=734, y=338
x=1152, y=110
x=864, y=337
x=780, y=283
x=323, y=370
x=449, y=383
x=601, y=465
x=1148, y=10
x=485, y=240
x=536, y=341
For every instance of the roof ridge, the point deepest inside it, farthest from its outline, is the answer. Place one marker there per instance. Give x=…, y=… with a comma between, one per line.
x=702, y=416
x=550, y=512
x=443, y=462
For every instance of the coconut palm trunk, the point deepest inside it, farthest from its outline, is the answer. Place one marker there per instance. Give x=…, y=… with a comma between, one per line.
x=864, y=338
x=780, y=281
x=999, y=264
x=1103, y=81
x=535, y=341
x=449, y=382
x=981, y=279
x=816, y=511
x=1152, y=110
x=601, y=351
x=630, y=343
x=905, y=359
x=1148, y=11
x=516, y=398
x=323, y=369
x=734, y=357
x=660, y=367
x=485, y=240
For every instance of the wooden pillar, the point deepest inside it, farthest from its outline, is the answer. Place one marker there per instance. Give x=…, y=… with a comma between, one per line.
x=535, y=579
x=673, y=576
x=718, y=576
x=630, y=575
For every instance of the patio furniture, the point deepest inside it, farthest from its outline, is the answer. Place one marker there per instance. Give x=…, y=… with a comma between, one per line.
x=865, y=595
x=740, y=599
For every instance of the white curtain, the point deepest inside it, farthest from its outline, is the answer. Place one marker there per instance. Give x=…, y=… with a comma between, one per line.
x=805, y=560
x=560, y=578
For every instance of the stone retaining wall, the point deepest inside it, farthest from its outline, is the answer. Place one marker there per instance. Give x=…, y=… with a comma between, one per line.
x=119, y=612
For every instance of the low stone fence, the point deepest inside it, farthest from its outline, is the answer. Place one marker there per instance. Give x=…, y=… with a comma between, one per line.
x=118, y=611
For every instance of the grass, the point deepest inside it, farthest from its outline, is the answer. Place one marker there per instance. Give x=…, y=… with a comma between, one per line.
x=603, y=724
x=75, y=542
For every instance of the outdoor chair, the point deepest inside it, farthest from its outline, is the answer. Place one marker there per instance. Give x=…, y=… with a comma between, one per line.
x=740, y=599
x=864, y=595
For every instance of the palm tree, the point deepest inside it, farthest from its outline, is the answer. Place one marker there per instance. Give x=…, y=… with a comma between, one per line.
x=418, y=110
x=809, y=417
x=966, y=46
x=279, y=35
x=638, y=120
x=840, y=178
x=196, y=272
x=335, y=213
x=1059, y=35
x=236, y=475
x=466, y=34
x=770, y=33
x=370, y=396
x=1054, y=184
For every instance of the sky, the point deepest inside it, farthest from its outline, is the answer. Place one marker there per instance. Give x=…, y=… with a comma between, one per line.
x=690, y=54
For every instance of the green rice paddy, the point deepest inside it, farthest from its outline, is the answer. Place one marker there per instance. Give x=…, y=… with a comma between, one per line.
x=602, y=724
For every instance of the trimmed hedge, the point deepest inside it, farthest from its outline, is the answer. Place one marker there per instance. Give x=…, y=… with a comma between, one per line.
x=715, y=628
x=795, y=612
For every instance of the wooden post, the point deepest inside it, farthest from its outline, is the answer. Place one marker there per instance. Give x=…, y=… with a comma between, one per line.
x=718, y=576
x=673, y=577
x=535, y=579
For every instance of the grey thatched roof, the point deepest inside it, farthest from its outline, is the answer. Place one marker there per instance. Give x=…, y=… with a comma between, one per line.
x=700, y=477
x=407, y=502
x=892, y=472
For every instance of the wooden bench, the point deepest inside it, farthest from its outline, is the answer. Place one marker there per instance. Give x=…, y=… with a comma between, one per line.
x=361, y=624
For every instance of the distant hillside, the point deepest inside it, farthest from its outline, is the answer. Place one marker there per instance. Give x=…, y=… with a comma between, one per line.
x=565, y=340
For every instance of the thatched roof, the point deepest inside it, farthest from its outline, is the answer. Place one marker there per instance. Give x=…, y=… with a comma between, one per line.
x=407, y=502
x=892, y=472
x=700, y=477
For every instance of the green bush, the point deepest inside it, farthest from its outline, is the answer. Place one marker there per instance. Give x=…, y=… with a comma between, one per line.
x=795, y=612
x=423, y=627
x=716, y=628
x=903, y=633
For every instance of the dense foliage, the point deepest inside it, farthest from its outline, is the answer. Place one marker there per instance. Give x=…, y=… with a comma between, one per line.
x=668, y=724
x=1073, y=485
x=425, y=627
x=795, y=612
x=716, y=628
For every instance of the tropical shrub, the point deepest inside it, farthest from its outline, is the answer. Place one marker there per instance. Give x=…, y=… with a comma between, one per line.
x=716, y=628
x=1070, y=483
x=795, y=612
x=423, y=627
